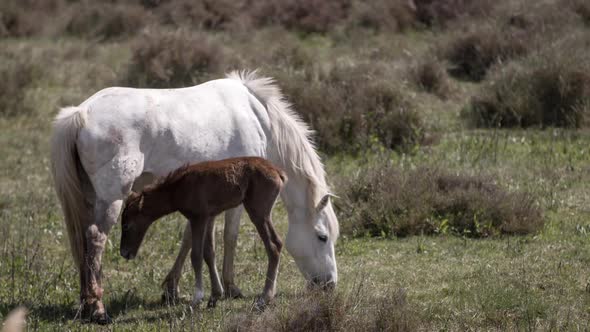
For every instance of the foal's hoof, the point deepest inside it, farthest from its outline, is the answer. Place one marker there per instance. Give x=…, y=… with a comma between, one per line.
x=212, y=303
x=233, y=292
x=170, y=298
x=260, y=303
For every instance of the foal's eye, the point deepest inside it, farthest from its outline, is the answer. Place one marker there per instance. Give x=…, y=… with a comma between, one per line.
x=125, y=227
x=323, y=237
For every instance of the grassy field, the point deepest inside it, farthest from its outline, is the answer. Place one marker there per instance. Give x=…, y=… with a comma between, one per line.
x=450, y=280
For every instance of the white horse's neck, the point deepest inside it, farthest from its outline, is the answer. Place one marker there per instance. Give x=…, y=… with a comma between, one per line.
x=297, y=195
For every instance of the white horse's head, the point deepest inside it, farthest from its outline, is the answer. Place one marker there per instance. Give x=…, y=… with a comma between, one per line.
x=311, y=239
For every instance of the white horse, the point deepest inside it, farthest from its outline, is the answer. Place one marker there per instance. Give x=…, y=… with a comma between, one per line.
x=122, y=138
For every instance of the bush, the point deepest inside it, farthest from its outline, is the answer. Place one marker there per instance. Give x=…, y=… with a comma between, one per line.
x=471, y=55
x=430, y=76
x=19, y=19
x=206, y=14
x=174, y=59
x=105, y=21
x=350, y=107
x=552, y=92
x=383, y=16
x=383, y=201
x=583, y=9
x=307, y=16
x=323, y=311
x=18, y=73
x=441, y=12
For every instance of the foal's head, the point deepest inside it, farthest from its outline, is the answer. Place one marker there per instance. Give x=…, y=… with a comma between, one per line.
x=134, y=224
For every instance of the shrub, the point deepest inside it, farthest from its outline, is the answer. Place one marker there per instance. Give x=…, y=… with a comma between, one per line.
x=384, y=201
x=551, y=92
x=307, y=16
x=583, y=9
x=471, y=55
x=431, y=77
x=105, y=21
x=18, y=20
x=206, y=14
x=383, y=16
x=18, y=74
x=174, y=59
x=441, y=12
x=315, y=311
x=350, y=107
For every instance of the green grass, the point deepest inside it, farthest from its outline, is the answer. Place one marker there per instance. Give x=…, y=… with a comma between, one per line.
x=536, y=281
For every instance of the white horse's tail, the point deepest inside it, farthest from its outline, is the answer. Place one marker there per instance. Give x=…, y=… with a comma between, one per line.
x=292, y=139
x=67, y=171
x=16, y=320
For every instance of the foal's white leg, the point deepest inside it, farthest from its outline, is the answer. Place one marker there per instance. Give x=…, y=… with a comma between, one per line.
x=230, y=241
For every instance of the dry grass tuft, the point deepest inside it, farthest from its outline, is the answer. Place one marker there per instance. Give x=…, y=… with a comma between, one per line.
x=174, y=59
x=320, y=311
x=383, y=201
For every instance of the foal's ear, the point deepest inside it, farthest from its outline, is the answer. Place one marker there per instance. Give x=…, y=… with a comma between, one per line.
x=323, y=203
x=141, y=202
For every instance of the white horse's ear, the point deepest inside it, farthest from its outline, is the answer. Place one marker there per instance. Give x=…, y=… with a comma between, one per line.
x=323, y=203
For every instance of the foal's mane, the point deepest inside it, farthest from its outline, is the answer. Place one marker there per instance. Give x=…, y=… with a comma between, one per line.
x=168, y=179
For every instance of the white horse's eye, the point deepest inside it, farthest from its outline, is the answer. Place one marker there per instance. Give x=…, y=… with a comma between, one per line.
x=323, y=237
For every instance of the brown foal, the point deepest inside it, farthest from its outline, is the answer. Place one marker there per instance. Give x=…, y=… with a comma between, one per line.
x=200, y=192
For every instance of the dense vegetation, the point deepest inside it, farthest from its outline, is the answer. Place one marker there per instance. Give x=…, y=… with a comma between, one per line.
x=455, y=133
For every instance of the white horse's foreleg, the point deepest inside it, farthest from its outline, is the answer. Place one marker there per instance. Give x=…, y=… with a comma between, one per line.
x=170, y=283
x=105, y=216
x=230, y=241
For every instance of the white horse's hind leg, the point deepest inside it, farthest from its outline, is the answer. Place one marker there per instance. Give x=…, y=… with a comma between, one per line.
x=230, y=240
x=106, y=214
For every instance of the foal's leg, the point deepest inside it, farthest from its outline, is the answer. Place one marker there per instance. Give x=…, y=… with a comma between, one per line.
x=198, y=229
x=171, y=281
x=209, y=254
x=261, y=217
x=230, y=240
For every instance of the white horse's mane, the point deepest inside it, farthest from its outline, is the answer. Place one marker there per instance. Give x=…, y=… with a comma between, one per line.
x=291, y=135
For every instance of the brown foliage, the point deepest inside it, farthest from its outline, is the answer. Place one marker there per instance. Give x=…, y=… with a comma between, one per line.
x=317, y=311
x=383, y=201
x=174, y=59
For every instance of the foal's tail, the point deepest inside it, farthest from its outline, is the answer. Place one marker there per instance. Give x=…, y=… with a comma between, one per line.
x=67, y=171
